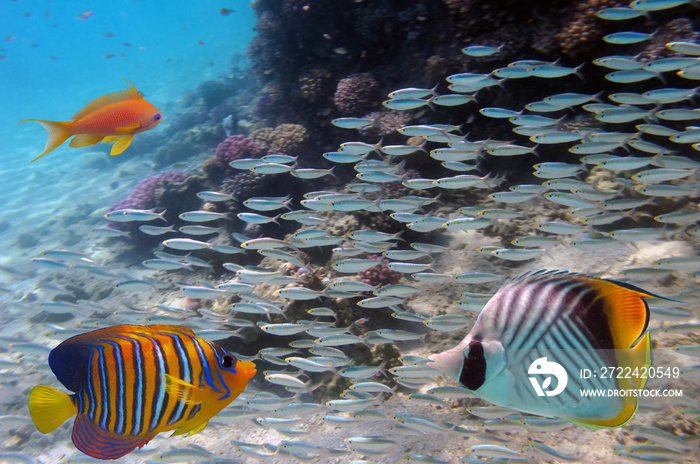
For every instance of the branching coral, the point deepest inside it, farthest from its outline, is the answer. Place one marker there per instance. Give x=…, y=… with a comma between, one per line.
x=314, y=84
x=676, y=30
x=143, y=196
x=357, y=94
x=379, y=274
x=244, y=185
x=583, y=29
x=289, y=139
x=234, y=147
x=386, y=122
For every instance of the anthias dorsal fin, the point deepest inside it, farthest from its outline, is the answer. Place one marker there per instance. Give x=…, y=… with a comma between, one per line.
x=99, y=102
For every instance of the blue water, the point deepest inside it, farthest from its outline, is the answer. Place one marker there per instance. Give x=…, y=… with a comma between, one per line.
x=55, y=61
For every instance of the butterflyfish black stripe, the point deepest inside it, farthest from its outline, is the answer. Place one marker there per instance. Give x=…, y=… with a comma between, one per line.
x=532, y=308
x=557, y=297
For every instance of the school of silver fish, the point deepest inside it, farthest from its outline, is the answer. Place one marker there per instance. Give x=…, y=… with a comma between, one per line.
x=425, y=420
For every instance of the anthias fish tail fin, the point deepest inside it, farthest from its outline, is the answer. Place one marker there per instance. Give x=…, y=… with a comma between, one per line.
x=105, y=100
x=121, y=144
x=101, y=444
x=58, y=131
x=626, y=311
x=184, y=392
x=50, y=408
x=83, y=140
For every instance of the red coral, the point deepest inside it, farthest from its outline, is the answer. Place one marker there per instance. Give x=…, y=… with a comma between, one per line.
x=379, y=275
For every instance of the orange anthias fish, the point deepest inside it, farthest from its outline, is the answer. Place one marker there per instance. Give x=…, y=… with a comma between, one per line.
x=114, y=117
x=132, y=382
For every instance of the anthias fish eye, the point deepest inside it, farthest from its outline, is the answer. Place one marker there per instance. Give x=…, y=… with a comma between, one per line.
x=156, y=117
x=228, y=361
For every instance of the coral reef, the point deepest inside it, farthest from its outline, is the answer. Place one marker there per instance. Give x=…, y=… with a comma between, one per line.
x=676, y=30
x=582, y=30
x=143, y=196
x=270, y=102
x=379, y=275
x=288, y=139
x=315, y=84
x=245, y=184
x=187, y=143
x=234, y=147
x=386, y=122
x=221, y=111
x=357, y=94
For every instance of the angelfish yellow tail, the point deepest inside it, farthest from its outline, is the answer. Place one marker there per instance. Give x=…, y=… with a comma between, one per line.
x=58, y=131
x=50, y=408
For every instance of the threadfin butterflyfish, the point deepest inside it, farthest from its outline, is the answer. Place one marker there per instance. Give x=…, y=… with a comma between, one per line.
x=532, y=341
x=114, y=117
x=132, y=382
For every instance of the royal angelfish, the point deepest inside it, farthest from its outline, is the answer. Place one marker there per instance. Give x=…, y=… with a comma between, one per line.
x=132, y=382
x=115, y=117
x=557, y=323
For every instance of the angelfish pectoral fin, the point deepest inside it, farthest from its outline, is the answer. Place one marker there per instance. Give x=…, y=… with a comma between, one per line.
x=184, y=392
x=121, y=144
x=189, y=430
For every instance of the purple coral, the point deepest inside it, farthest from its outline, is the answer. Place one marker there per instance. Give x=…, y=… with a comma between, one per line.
x=379, y=275
x=234, y=147
x=143, y=196
x=357, y=94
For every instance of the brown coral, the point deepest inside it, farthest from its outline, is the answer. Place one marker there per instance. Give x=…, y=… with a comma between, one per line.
x=676, y=30
x=582, y=29
x=315, y=84
x=386, y=122
x=289, y=139
x=357, y=94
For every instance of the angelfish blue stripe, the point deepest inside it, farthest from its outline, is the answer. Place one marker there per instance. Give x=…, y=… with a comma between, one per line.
x=138, y=394
x=160, y=399
x=88, y=389
x=220, y=363
x=179, y=411
x=104, y=417
x=205, y=365
x=118, y=367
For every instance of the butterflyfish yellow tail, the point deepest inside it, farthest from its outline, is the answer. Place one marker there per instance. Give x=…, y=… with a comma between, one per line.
x=58, y=131
x=50, y=408
x=626, y=311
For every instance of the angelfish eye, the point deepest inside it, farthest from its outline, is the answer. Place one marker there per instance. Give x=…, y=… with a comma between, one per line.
x=228, y=361
x=157, y=117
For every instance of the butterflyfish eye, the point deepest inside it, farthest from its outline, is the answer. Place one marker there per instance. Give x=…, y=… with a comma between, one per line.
x=157, y=117
x=228, y=361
